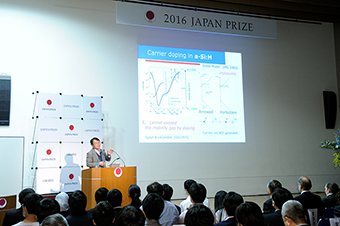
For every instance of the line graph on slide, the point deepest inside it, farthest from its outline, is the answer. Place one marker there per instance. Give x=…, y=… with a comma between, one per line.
x=190, y=101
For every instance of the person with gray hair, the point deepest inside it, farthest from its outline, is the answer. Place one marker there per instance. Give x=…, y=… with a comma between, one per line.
x=55, y=220
x=62, y=199
x=293, y=213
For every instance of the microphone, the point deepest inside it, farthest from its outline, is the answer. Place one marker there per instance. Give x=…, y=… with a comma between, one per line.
x=119, y=157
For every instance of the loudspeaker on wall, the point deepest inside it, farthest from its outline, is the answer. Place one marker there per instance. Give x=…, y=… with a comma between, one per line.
x=330, y=108
x=5, y=99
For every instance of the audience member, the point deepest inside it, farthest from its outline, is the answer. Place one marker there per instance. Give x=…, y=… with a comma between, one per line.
x=30, y=206
x=293, y=213
x=168, y=191
x=153, y=205
x=279, y=197
x=308, y=199
x=231, y=201
x=99, y=195
x=187, y=202
x=198, y=194
x=62, y=199
x=115, y=198
x=135, y=193
x=14, y=216
x=330, y=189
x=55, y=220
x=336, y=208
x=79, y=216
x=170, y=214
x=268, y=205
x=249, y=214
x=220, y=214
x=199, y=215
x=103, y=214
x=47, y=207
x=131, y=216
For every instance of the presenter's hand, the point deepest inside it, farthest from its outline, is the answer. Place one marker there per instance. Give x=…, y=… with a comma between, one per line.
x=101, y=163
x=109, y=152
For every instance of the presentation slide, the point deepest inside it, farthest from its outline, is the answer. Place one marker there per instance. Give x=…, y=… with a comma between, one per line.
x=190, y=95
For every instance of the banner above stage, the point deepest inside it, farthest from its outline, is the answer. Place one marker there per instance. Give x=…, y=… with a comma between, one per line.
x=190, y=20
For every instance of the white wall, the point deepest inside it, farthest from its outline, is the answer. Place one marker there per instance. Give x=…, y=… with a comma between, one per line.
x=76, y=47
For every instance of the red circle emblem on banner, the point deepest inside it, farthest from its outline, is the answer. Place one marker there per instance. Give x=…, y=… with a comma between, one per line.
x=3, y=203
x=118, y=172
x=49, y=102
x=71, y=176
x=92, y=105
x=48, y=152
x=71, y=127
x=150, y=16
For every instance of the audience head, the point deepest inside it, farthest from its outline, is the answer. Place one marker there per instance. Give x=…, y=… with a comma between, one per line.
x=187, y=184
x=62, y=199
x=134, y=194
x=101, y=194
x=23, y=193
x=77, y=202
x=131, y=216
x=168, y=191
x=115, y=197
x=272, y=185
x=292, y=212
x=304, y=184
x=103, y=214
x=219, y=196
x=280, y=196
x=199, y=215
x=155, y=187
x=153, y=205
x=54, y=220
x=31, y=203
x=197, y=193
x=46, y=208
x=331, y=188
x=249, y=214
x=231, y=201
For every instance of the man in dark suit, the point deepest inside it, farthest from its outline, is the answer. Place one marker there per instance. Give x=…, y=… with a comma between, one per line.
x=96, y=157
x=115, y=198
x=330, y=189
x=293, y=214
x=268, y=204
x=230, y=202
x=14, y=216
x=308, y=199
x=279, y=196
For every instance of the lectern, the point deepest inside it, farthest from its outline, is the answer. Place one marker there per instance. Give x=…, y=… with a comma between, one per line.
x=117, y=177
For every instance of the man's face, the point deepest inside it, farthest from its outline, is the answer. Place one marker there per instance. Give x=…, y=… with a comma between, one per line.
x=96, y=144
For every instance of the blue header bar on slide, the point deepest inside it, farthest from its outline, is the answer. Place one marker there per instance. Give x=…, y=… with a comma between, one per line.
x=180, y=55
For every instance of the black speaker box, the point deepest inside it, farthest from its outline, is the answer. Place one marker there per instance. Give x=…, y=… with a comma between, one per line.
x=5, y=100
x=330, y=107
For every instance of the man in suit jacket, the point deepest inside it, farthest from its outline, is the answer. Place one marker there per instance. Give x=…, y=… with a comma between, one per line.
x=308, y=199
x=293, y=213
x=230, y=202
x=268, y=204
x=330, y=189
x=96, y=155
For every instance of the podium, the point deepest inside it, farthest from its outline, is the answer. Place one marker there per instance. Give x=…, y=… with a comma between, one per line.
x=116, y=177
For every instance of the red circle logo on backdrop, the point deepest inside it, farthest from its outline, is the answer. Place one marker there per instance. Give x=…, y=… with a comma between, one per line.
x=92, y=105
x=3, y=203
x=71, y=176
x=49, y=102
x=150, y=16
x=48, y=152
x=118, y=172
x=71, y=127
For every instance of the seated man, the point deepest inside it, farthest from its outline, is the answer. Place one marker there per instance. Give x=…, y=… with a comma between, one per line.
x=115, y=198
x=15, y=216
x=187, y=202
x=268, y=205
x=103, y=214
x=293, y=213
x=30, y=206
x=46, y=208
x=79, y=216
x=198, y=194
x=96, y=157
x=279, y=197
x=100, y=195
x=330, y=189
x=249, y=214
x=131, y=216
x=168, y=191
x=231, y=201
x=199, y=215
x=153, y=206
x=55, y=220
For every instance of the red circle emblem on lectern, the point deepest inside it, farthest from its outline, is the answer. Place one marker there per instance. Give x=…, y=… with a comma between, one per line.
x=71, y=127
x=118, y=172
x=3, y=203
x=48, y=152
x=49, y=102
x=92, y=105
x=71, y=176
x=150, y=16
